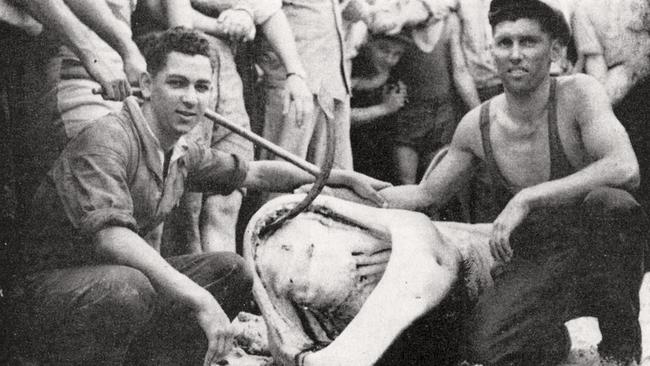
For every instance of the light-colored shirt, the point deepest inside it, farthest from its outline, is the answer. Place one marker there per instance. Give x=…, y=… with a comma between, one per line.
x=317, y=29
x=617, y=29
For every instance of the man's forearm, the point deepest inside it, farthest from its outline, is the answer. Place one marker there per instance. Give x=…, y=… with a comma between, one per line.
x=120, y=245
x=174, y=13
x=179, y=13
x=406, y=197
x=17, y=17
x=98, y=16
x=57, y=17
x=275, y=176
x=363, y=116
x=280, y=176
x=619, y=81
x=279, y=34
x=573, y=188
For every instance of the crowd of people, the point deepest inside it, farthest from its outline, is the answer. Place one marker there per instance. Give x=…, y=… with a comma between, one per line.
x=121, y=201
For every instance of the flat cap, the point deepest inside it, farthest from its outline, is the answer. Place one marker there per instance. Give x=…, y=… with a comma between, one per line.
x=550, y=10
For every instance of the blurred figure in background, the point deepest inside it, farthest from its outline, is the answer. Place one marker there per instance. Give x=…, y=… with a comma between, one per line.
x=376, y=97
x=85, y=46
x=435, y=80
x=317, y=28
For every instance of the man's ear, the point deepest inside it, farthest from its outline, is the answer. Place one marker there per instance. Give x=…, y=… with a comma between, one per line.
x=556, y=50
x=146, y=83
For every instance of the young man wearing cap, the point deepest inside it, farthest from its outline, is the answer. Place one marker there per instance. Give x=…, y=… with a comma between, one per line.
x=561, y=166
x=95, y=290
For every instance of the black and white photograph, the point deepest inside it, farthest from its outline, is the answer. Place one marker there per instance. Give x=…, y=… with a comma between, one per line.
x=324, y=182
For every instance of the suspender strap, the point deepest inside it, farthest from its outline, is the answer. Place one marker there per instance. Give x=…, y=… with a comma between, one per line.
x=560, y=165
x=492, y=166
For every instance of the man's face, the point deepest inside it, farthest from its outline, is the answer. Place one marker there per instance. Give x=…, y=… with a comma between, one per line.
x=523, y=53
x=385, y=54
x=180, y=93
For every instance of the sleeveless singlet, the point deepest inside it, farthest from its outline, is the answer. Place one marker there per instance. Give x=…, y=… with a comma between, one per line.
x=502, y=190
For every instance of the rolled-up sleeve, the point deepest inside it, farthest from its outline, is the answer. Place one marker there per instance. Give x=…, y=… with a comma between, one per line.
x=210, y=170
x=93, y=187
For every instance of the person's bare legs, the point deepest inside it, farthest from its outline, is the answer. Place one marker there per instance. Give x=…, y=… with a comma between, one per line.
x=218, y=222
x=406, y=163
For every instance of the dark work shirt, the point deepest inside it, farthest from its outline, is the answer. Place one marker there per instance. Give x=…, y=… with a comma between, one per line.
x=111, y=174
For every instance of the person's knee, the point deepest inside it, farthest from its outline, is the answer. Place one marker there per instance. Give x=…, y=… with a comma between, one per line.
x=237, y=270
x=610, y=203
x=476, y=350
x=543, y=346
x=128, y=292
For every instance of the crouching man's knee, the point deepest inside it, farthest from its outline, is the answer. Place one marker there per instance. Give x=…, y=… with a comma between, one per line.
x=228, y=277
x=82, y=314
x=608, y=212
x=610, y=203
x=130, y=294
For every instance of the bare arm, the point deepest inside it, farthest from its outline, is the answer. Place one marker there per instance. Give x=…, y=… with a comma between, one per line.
x=58, y=18
x=231, y=22
x=444, y=181
x=173, y=13
x=13, y=15
x=616, y=80
x=122, y=246
x=298, y=99
x=613, y=164
x=394, y=98
x=99, y=17
x=178, y=13
x=280, y=176
x=366, y=115
x=619, y=81
x=463, y=80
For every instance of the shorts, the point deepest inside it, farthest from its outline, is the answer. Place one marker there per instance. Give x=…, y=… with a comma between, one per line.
x=426, y=126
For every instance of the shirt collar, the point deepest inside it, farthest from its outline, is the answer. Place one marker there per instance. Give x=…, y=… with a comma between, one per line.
x=154, y=153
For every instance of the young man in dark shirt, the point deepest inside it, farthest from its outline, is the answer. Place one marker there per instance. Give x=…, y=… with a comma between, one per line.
x=94, y=290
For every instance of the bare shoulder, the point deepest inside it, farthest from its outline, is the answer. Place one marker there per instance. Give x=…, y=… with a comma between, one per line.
x=468, y=132
x=469, y=124
x=583, y=97
x=577, y=87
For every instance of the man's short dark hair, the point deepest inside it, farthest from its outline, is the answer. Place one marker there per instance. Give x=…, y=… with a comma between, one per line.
x=156, y=46
x=550, y=19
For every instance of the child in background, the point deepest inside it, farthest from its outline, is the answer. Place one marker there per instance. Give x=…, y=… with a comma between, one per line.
x=437, y=81
x=376, y=96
